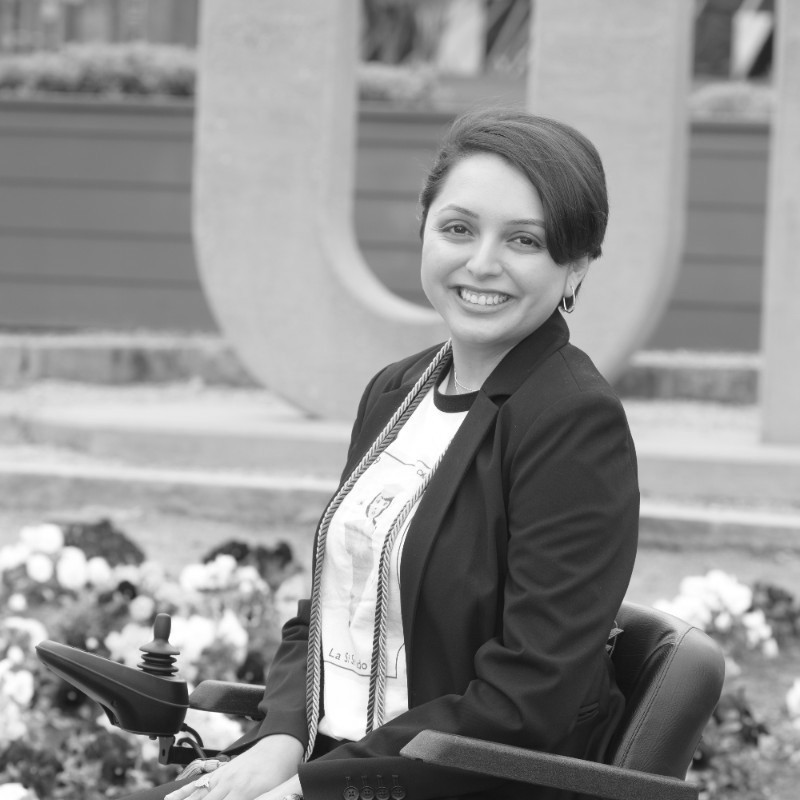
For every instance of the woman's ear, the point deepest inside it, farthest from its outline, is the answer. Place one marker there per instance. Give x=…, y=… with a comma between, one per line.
x=577, y=271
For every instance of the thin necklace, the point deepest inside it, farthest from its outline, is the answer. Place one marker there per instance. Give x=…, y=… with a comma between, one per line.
x=460, y=388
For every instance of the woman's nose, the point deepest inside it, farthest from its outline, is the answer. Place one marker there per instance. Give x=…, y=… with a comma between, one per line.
x=484, y=260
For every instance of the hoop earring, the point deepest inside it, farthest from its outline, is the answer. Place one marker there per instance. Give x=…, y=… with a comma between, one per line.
x=569, y=307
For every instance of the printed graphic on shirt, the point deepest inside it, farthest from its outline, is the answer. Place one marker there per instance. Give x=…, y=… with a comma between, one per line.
x=376, y=502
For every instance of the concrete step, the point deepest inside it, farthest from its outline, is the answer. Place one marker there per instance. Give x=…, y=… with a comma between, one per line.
x=174, y=426
x=152, y=358
x=245, y=454
x=47, y=480
x=688, y=451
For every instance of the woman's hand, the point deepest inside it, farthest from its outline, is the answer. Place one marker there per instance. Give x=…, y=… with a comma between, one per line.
x=269, y=763
x=292, y=786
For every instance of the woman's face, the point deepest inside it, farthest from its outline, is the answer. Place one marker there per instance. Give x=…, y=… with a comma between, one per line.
x=485, y=264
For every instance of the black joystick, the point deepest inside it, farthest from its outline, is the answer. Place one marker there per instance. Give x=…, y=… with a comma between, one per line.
x=159, y=655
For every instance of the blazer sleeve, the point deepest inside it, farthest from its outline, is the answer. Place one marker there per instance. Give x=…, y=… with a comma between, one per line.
x=572, y=515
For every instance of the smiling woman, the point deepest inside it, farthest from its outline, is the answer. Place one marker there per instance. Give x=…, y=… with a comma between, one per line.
x=496, y=468
x=485, y=264
x=513, y=211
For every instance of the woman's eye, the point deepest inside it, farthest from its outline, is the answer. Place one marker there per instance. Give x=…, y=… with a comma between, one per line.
x=457, y=228
x=527, y=241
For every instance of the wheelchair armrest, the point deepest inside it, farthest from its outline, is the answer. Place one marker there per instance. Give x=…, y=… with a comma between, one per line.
x=223, y=697
x=544, y=769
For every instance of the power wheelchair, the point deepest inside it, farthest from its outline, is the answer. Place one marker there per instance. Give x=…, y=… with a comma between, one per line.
x=670, y=672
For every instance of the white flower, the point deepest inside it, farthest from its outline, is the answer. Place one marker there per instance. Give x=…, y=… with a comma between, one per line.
x=217, y=730
x=217, y=574
x=793, y=700
x=17, y=602
x=123, y=646
x=231, y=631
x=141, y=608
x=193, y=578
x=15, y=654
x=149, y=748
x=192, y=635
x=71, y=569
x=13, y=555
x=770, y=649
x=99, y=574
x=690, y=609
x=757, y=630
x=221, y=571
x=723, y=622
x=249, y=582
x=13, y=727
x=734, y=597
x=19, y=685
x=44, y=538
x=16, y=791
x=39, y=567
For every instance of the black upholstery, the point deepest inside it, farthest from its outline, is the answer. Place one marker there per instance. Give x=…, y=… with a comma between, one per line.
x=671, y=674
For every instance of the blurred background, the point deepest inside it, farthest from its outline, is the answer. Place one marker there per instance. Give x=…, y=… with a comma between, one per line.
x=165, y=478
x=96, y=154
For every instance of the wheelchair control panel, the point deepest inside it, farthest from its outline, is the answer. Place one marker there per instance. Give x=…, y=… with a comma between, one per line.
x=149, y=699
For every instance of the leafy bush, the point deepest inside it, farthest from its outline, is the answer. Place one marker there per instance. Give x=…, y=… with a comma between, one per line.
x=741, y=754
x=147, y=70
x=111, y=70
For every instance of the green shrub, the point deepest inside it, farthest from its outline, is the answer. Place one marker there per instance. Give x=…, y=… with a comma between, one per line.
x=147, y=70
x=110, y=70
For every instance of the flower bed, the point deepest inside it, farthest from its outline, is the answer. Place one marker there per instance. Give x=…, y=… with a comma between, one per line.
x=141, y=69
x=751, y=746
x=89, y=586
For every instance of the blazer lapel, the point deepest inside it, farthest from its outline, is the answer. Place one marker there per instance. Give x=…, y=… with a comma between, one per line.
x=510, y=374
x=427, y=520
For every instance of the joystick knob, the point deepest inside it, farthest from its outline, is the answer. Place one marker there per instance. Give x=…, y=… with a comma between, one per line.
x=159, y=655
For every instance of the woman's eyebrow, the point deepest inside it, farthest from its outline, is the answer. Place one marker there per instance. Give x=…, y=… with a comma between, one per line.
x=467, y=213
x=535, y=222
x=460, y=209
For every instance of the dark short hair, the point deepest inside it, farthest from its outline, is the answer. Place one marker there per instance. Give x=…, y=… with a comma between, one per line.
x=562, y=165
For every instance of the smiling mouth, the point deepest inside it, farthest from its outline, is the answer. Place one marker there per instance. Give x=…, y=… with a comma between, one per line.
x=482, y=298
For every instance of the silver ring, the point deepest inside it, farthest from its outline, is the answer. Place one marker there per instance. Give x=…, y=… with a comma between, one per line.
x=204, y=782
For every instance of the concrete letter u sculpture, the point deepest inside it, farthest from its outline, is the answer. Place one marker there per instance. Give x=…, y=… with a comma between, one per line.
x=273, y=184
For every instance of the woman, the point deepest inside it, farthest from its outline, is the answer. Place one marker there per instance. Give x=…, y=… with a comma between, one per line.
x=469, y=568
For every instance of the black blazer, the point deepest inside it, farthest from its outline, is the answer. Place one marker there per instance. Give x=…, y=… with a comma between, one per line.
x=514, y=566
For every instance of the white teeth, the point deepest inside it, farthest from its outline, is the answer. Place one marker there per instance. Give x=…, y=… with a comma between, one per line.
x=482, y=299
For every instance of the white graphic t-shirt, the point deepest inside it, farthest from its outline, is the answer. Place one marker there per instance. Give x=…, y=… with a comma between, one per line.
x=352, y=557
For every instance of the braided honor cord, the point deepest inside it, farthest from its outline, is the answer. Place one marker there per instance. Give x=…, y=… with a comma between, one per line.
x=385, y=438
x=377, y=676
